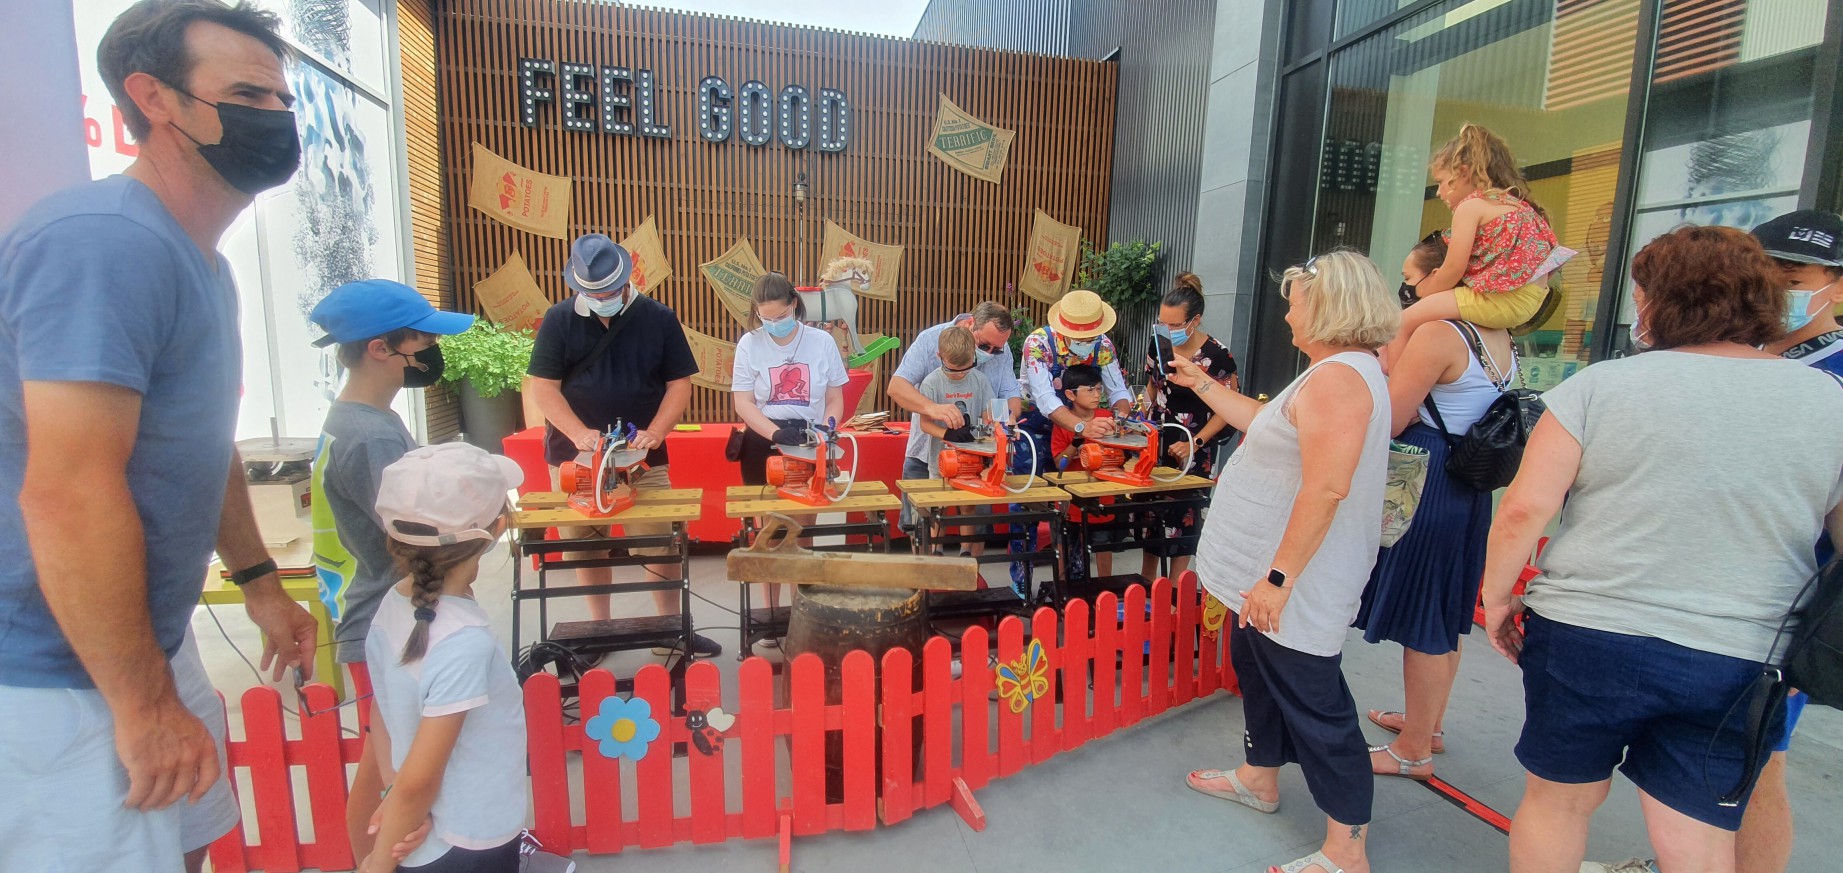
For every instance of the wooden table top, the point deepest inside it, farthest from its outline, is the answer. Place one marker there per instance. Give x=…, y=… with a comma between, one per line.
x=751, y=507
x=668, y=505
x=769, y=492
x=937, y=494
x=1085, y=485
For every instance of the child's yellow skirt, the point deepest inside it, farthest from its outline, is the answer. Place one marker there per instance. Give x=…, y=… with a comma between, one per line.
x=1506, y=310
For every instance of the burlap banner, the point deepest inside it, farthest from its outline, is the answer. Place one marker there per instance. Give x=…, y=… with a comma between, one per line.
x=651, y=269
x=716, y=360
x=1049, y=261
x=733, y=275
x=968, y=144
x=510, y=296
x=885, y=261
x=518, y=197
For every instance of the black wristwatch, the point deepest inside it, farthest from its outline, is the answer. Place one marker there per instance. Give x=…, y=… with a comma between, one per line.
x=252, y=573
x=1276, y=578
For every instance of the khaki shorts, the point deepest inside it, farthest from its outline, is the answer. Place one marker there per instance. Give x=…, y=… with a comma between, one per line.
x=1507, y=310
x=654, y=479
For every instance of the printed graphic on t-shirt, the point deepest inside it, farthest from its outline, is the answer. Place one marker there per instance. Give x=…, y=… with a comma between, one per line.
x=790, y=384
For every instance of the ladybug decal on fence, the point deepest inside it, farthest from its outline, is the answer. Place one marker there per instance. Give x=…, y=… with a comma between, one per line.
x=707, y=727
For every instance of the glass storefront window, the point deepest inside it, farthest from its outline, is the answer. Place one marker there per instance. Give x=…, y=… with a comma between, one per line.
x=1550, y=77
x=1729, y=119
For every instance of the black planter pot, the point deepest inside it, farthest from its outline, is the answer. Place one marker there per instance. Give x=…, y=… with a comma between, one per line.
x=488, y=421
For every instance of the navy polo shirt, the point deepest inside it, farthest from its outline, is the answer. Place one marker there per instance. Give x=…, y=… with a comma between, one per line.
x=627, y=382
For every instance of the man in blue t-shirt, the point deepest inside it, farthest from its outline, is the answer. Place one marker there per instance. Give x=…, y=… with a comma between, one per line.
x=120, y=367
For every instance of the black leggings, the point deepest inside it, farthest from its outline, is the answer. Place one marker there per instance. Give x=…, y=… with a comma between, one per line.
x=502, y=859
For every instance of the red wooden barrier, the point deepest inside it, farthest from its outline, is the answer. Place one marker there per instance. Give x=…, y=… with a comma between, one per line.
x=876, y=722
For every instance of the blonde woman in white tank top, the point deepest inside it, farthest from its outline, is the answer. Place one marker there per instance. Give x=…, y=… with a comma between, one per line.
x=1292, y=532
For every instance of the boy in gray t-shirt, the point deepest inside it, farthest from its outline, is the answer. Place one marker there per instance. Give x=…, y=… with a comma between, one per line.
x=954, y=382
x=387, y=336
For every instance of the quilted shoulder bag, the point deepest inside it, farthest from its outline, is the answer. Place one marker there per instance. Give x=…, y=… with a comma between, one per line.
x=1486, y=457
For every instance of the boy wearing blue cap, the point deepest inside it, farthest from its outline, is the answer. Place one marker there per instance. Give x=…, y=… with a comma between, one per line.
x=387, y=337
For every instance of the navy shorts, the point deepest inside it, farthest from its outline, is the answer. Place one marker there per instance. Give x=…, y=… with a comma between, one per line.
x=1673, y=715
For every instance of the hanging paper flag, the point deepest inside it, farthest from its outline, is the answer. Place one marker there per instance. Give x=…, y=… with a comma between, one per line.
x=518, y=197
x=1049, y=263
x=968, y=144
x=511, y=297
x=651, y=269
x=733, y=274
x=885, y=261
x=716, y=360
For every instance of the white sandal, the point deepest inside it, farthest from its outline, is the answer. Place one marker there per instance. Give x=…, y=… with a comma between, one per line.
x=1403, y=767
x=1240, y=794
x=1307, y=861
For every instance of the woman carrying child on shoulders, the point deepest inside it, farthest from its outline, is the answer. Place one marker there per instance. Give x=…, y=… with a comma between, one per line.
x=1423, y=589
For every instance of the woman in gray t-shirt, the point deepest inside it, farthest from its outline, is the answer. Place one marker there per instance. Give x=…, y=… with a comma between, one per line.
x=1693, y=500
x=1292, y=533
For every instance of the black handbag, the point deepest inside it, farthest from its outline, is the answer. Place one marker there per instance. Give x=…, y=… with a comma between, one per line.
x=1486, y=457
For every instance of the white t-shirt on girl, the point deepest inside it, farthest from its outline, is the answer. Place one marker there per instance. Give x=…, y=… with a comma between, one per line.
x=483, y=794
x=789, y=381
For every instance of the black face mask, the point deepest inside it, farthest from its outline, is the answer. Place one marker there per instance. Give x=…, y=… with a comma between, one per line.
x=258, y=150
x=424, y=369
x=1408, y=297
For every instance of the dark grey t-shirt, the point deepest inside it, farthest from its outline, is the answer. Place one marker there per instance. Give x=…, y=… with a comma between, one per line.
x=361, y=441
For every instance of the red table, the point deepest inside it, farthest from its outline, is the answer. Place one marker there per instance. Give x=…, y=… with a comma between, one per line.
x=697, y=462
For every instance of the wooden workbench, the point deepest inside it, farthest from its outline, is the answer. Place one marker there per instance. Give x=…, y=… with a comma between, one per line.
x=937, y=494
x=872, y=502
x=541, y=509
x=1084, y=485
x=751, y=501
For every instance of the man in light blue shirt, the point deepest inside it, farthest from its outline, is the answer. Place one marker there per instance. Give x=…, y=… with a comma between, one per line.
x=120, y=368
x=991, y=325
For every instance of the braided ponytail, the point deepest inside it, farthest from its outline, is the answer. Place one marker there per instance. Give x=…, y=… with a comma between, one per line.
x=427, y=567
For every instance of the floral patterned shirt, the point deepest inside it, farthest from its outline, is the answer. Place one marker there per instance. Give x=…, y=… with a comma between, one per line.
x=1042, y=370
x=1508, y=249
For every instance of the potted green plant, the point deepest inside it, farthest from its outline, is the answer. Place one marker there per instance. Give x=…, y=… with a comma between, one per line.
x=1126, y=275
x=487, y=363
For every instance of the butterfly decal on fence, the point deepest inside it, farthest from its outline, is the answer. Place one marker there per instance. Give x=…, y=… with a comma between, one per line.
x=1214, y=611
x=1025, y=680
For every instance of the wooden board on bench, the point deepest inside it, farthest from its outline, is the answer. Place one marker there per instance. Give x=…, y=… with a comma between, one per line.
x=752, y=507
x=937, y=494
x=642, y=497
x=1085, y=485
x=769, y=492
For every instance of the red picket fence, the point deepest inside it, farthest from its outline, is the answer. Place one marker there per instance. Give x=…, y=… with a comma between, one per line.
x=1141, y=662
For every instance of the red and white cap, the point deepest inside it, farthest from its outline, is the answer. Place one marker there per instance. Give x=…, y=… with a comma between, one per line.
x=455, y=488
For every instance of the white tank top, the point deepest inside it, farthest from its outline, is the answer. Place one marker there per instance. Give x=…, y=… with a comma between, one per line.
x=1464, y=400
x=1254, y=498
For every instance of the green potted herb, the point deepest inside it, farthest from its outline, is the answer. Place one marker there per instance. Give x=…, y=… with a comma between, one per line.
x=487, y=362
x=1126, y=275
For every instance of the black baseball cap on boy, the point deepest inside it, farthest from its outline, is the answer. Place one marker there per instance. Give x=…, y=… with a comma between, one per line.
x=1808, y=236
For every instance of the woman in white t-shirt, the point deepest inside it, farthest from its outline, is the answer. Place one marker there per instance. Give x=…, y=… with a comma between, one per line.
x=787, y=375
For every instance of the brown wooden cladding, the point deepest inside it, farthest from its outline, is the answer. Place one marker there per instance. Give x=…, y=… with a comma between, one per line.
x=964, y=238
x=423, y=142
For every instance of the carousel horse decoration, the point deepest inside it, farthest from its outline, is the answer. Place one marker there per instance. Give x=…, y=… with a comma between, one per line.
x=835, y=302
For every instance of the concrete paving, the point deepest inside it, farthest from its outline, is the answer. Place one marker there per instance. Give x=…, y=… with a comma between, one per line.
x=1120, y=803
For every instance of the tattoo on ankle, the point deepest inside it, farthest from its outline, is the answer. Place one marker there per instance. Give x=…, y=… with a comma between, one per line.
x=1356, y=832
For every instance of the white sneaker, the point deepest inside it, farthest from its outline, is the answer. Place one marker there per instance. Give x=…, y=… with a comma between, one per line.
x=531, y=860
x=1629, y=865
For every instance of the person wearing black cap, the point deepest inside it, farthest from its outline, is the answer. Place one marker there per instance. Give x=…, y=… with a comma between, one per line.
x=1808, y=246
x=643, y=376
x=387, y=336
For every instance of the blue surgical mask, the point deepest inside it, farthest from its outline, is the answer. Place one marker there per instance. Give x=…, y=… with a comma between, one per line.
x=981, y=356
x=608, y=308
x=1177, y=335
x=1798, y=307
x=780, y=327
x=1082, y=348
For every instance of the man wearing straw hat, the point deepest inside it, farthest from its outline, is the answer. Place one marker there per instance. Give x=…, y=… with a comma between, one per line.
x=1073, y=333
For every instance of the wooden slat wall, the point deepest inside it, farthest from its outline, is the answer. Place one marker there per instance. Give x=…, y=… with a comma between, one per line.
x=964, y=238
x=422, y=140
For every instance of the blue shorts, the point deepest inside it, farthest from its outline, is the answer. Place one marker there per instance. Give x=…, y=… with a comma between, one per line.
x=1794, y=707
x=61, y=808
x=1593, y=699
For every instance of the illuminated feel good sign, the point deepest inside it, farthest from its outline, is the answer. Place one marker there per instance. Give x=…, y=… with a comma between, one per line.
x=623, y=101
